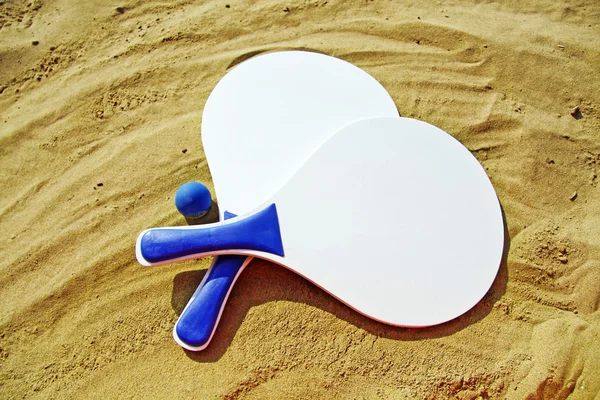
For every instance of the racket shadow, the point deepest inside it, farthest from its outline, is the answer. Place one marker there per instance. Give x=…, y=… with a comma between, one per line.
x=264, y=282
x=246, y=56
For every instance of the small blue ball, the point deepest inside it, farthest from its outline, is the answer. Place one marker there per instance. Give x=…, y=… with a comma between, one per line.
x=193, y=200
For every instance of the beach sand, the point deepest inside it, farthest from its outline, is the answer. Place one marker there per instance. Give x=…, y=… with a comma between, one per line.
x=100, y=112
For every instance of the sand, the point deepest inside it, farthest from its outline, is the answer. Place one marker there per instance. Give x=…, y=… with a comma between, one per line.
x=100, y=112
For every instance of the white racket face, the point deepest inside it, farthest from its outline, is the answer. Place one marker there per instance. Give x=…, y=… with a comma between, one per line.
x=395, y=218
x=269, y=114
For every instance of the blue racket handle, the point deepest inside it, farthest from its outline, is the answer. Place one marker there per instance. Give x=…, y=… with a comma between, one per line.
x=259, y=231
x=198, y=322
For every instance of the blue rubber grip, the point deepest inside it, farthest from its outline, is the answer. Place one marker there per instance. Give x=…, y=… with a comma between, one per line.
x=198, y=321
x=259, y=231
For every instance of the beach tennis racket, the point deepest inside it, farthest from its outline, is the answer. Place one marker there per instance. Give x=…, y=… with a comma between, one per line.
x=260, y=123
x=392, y=216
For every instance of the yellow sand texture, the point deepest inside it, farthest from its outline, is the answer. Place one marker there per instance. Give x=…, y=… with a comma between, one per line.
x=100, y=112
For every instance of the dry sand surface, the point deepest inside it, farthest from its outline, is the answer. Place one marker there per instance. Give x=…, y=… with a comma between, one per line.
x=100, y=112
